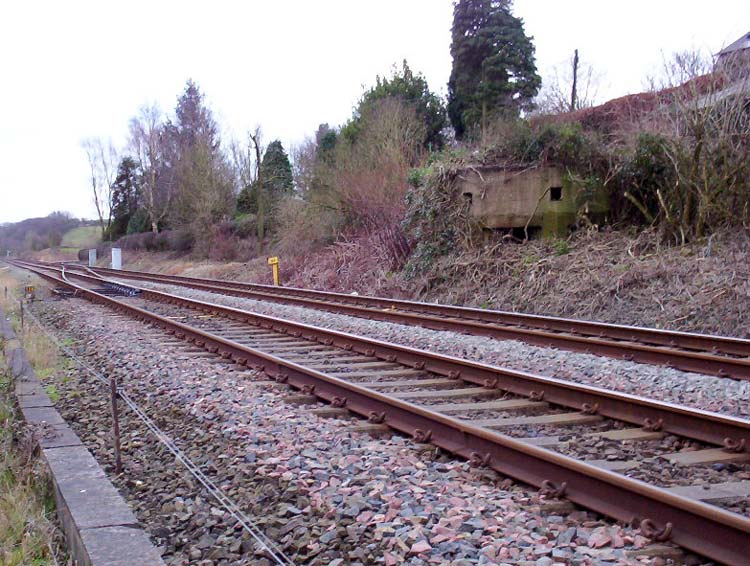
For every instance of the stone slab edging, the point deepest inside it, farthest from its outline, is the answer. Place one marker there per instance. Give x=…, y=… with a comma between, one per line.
x=100, y=529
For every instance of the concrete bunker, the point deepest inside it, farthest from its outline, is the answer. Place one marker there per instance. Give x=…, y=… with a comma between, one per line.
x=502, y=197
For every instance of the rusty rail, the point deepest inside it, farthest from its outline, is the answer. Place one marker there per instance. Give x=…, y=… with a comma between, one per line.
x=708, y=530
x=702, y=353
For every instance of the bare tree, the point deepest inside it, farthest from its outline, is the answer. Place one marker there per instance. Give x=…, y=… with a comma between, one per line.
x=255, y=139
x=102, y=158
x=570, y=86
x=304, y=162
x=147, y=145
x=244, y=161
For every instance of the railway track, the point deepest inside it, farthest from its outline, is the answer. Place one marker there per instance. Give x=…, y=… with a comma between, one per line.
x=542, y=431
x=708, y=354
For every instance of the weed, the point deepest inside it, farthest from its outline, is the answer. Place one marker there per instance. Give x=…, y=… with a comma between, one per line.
x=52, y=393
x=562, y=247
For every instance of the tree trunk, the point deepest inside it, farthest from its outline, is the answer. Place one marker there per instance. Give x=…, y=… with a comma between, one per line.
x=574, y=89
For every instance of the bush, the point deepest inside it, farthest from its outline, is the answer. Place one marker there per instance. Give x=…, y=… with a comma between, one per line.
x=223, y=246
x=244, y=225
x=304, y=226
x=164, y=241
x=138, y=222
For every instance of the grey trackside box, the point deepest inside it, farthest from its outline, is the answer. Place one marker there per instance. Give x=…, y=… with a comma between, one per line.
x=116, y=258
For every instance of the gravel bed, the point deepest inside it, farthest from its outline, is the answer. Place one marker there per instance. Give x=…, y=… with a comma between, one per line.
x=328, y=496
x=695, y=390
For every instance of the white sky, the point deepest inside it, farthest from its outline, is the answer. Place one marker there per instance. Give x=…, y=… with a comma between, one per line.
x=73, y=69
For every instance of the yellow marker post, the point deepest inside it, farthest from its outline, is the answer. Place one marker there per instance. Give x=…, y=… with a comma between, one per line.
x=274, y=261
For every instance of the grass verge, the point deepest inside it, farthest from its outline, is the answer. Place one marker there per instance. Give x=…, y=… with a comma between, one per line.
x=28, y=533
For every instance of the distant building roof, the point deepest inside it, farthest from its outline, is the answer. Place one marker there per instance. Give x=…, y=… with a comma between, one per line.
x=742, y=43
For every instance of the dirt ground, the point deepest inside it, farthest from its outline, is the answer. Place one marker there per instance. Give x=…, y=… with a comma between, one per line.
x=608, y=276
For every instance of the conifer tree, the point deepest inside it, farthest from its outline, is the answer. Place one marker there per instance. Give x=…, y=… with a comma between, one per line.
x=204, y=191
x=494, y=72
x=124, y=197
x=276, y=171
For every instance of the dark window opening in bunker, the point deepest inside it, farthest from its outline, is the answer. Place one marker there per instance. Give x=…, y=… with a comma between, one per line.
x=555, y=193
x=469, y=197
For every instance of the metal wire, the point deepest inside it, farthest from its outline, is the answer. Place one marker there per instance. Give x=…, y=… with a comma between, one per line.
x=232, y=508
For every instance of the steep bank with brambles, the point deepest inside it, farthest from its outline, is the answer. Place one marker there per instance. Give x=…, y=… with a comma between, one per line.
x=610, y=276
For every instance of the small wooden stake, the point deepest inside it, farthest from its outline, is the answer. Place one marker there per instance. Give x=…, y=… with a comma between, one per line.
x=115, y=423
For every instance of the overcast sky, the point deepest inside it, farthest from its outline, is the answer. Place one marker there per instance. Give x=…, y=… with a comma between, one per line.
x=72, y=70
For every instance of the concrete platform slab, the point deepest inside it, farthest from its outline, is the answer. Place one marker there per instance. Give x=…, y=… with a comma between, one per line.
x=119, y=546
x=42, y=415
x=58, y=436
x=35, y=400
x=28, y=387
x=86, y=491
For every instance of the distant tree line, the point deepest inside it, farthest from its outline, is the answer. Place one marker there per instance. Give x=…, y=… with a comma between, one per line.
x=36, y=233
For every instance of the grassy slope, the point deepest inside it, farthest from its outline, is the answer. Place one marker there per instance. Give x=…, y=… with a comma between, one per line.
x=81, y=237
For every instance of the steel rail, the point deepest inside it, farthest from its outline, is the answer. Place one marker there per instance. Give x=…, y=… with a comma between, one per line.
x=713, y=532
x=682, y=350
x=706, y=426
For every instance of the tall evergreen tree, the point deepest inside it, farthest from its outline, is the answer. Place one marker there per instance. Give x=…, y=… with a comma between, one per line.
x=325, y=143
x=494, y=72
x=204, y=188
x=276, y=171
x=124, y=197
